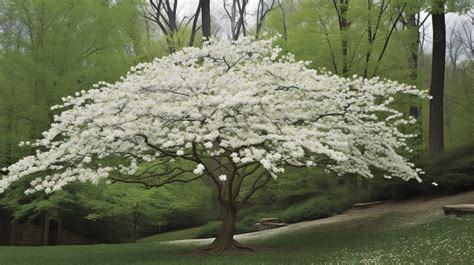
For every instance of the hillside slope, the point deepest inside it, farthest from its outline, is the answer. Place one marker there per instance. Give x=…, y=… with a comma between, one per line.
x=421, y=210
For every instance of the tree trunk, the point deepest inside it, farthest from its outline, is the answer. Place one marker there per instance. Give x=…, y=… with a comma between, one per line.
x=414, y=47
x=415, y=108
x=225, y=238
x=194, y=26
x=134, y=232
x=45, y=228
x=206, y=18
x=59, y=235
x=5, y=227
x=344, y=26
x=436, y=134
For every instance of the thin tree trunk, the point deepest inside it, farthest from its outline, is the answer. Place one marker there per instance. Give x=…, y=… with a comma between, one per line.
x=436, y=133
x=59, y=236
x=45, y=228
x=206, y=18
x=8, y=229
x=194, y=28
x=414, y=46
x=134, y=233
x=412, y=25
x=344, y=26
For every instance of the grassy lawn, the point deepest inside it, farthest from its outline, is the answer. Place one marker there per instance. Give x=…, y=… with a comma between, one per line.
x=387, y=239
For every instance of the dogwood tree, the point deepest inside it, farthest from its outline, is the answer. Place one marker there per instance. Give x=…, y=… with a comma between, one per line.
x=238, y=113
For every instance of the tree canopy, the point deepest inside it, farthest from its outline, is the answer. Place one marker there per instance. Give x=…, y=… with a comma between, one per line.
x=234, y=112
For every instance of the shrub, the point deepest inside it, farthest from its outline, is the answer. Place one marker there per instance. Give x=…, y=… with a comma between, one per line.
x=212, y=228
x=452, y=171
x=315, y=208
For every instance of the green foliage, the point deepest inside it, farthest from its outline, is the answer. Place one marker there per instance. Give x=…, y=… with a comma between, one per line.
x=459, y=96
x=315, y=208
x=53, y=48
x=452, y=171
x=50, y=49
x=212, y=228
x=296, y=184
x=314, y=34
x=29, y=207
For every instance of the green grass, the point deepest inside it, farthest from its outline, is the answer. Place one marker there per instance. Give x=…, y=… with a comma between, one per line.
x=389, y=239
x=175, y=235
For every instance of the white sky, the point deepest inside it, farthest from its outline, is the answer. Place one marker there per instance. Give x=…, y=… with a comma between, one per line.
x=188, y=7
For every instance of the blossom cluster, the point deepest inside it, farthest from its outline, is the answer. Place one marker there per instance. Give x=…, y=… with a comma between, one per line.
x=244, y=99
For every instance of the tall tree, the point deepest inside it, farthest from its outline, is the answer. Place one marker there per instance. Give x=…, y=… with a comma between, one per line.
x=164, y=13
x=436, y=129
x=436, y=120
x=206, y=18
x=264, y=8
x=236, y=11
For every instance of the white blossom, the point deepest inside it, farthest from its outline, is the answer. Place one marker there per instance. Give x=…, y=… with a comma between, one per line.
x=239, y=99
x=199, y=169
x=222, y=178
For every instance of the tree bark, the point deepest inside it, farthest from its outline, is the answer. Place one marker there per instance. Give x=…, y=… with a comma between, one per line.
x=225, y=238
x=194, y=26
x=436, y=133
x=206, y=18
x=344, y=26
x=45, y=228
x=59, y=235
x=413, y=46
x=134, y=228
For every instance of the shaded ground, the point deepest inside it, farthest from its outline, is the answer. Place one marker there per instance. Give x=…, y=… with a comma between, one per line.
x=423, y=209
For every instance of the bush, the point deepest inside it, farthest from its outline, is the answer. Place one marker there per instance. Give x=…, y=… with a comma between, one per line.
x=315, y=208
x=185, y=218
x=212, y=228
x=452, y=171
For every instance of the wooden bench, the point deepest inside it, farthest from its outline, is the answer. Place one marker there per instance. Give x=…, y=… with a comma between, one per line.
x=268, y=223
x=458, y=209
x=366, y=204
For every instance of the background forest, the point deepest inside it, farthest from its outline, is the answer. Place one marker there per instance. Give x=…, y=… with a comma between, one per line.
x=50, y=49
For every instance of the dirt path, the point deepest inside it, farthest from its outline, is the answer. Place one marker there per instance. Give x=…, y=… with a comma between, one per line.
x=426, y=206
